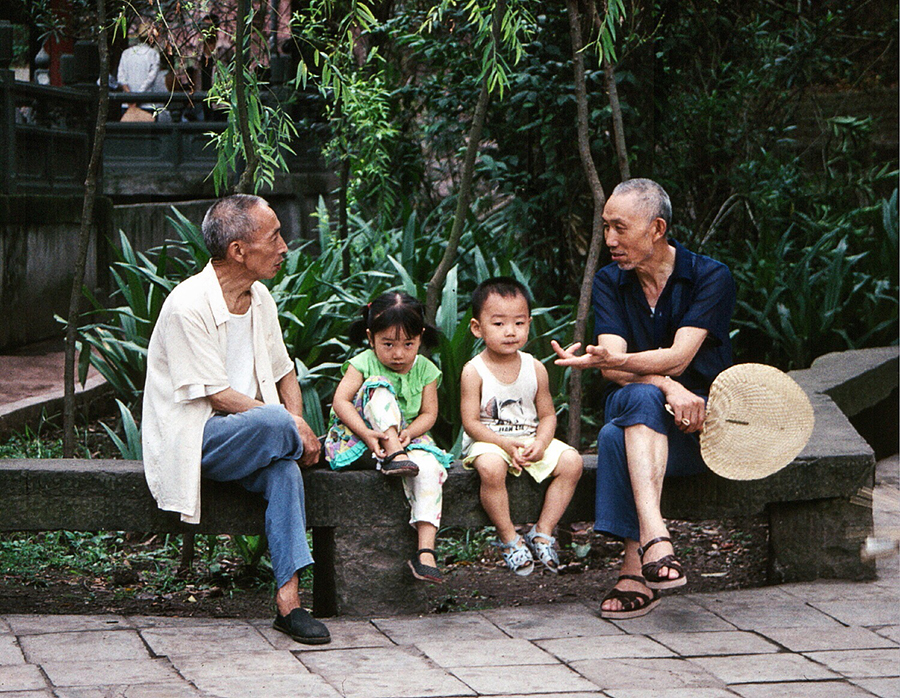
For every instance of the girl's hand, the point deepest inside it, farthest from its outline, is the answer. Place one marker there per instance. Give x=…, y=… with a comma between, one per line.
x=534, y=452
x=373, y=439
x=404, y=437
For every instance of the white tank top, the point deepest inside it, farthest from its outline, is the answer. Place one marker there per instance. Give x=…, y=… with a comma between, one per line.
x=508, y=409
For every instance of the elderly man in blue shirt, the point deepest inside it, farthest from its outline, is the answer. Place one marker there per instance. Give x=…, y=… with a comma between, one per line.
x=661, y=316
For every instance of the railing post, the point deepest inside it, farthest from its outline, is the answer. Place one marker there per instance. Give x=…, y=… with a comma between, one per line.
x=7, y=111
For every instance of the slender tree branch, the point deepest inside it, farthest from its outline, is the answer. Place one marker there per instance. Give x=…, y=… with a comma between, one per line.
x=84, y=236
x=465, y=186
x=599, y=197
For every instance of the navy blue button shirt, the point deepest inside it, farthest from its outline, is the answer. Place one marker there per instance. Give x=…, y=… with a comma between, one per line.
x=699, y=293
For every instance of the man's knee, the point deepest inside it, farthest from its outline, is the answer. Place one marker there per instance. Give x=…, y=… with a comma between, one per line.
x=641, y=394
x=272, y=418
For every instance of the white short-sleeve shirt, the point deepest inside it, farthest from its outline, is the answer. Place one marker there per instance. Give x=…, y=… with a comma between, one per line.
x=186, y=362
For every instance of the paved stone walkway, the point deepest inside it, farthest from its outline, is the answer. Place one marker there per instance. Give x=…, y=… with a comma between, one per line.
x=822, y=640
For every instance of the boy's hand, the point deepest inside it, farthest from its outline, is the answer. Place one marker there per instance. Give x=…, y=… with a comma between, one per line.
x=404, y=437
x=515, y=447
x=372, y=439
x=534, y=452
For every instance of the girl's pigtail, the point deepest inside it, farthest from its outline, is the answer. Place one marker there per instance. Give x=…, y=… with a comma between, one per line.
x=431, y=336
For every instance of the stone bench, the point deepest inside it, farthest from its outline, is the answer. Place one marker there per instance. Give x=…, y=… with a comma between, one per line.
x=359, y=520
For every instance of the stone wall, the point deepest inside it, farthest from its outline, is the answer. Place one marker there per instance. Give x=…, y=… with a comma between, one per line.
x=38, y=248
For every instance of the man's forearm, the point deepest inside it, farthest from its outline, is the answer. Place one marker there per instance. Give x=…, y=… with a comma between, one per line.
x=230, y=401
x=289, y=392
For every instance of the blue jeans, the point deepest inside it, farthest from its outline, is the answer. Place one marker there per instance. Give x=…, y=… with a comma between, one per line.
x=637, y=403
x=259, y=449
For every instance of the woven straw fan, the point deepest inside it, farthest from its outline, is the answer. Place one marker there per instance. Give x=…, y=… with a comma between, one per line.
x=757, y=420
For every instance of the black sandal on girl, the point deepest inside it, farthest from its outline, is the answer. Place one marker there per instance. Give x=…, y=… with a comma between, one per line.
x=650, y=570
x=427, y=573
x=404, y=467
x=634, y=603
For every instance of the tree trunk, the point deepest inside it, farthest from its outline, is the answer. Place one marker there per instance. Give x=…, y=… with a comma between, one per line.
x=246, y=183
x=87, y=216
x=465, y=186
x=573, y=431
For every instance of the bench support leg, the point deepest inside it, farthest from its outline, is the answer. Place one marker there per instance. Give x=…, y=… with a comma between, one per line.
x=818, y=539
x=362, y=571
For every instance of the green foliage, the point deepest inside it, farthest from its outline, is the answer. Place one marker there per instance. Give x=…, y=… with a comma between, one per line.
x=129, y=447
x=151, y=566
x=837, y=291
x=271, y=131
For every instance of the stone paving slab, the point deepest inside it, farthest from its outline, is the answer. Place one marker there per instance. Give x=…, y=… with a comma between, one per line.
x=345, y=634
x=335, y=665
x=488, y=681
x=668, y=693
x=861, y=664
x=717, y=643
x=10, y=652
x=305, y=686
x=891, y=632
x=550, y=621
x=840, y=638
x=169, y=689
x=820, y=689
x=676, y=614
x=645, y=673
x=407, y=630
x=579, y=649
x=148, y=622
x=884, y=688
x=770, y=607
x=872, y=611
x=757, y=668
x=28, y=694
x=21, y=677
x=214, y=639
x=39, y=625
x=71, y=646
x=491, y=653
x=203, y=667
x=416, y=683
x=118, y=671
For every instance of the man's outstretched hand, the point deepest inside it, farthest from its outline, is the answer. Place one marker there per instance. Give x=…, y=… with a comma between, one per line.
x=594, y=356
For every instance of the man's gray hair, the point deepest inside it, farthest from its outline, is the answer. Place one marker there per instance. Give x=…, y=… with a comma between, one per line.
x=652, y=198
x=227, y=220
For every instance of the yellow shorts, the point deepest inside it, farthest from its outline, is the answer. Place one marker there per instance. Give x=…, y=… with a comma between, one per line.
x=540, y=470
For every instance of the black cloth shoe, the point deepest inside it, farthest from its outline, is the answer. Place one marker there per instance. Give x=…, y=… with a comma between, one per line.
x=426, y=573
x=394, y=465
x=302, y=627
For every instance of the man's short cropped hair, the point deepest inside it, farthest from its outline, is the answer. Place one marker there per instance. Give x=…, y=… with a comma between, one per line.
x=652, y=197
x=504, y=286
x=227, y=220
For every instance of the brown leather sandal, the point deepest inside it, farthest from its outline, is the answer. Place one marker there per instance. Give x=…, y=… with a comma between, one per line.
x=650, y=570
x=634, y=603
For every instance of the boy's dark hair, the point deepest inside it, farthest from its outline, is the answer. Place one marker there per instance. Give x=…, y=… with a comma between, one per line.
x=393, y=309
x=504, y=286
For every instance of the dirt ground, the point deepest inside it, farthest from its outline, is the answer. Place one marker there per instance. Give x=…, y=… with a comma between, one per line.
x=717, y=555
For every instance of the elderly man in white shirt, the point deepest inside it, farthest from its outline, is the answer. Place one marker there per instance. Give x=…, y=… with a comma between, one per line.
x=222, y=397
